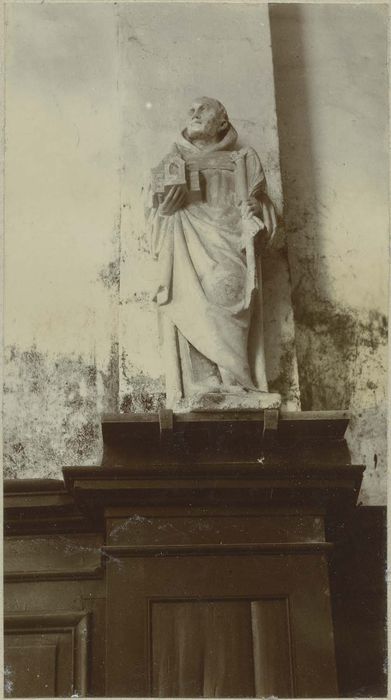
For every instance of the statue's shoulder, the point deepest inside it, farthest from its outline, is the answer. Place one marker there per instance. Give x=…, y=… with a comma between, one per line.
x=175, y=150
x=251, y=152
x=253, y=160
x=172, y=152
x=182, y=151
x=247, y=152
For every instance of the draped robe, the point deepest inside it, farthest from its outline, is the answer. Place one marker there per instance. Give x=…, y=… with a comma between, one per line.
x=205, y=288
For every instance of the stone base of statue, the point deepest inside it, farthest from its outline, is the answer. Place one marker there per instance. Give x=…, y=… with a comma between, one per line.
x=244, y=400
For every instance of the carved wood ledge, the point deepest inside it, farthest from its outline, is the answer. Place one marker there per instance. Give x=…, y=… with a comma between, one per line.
x=205, y=550
x=238, y=460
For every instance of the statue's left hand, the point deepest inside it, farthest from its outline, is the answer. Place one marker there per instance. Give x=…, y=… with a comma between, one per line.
x=252, y=207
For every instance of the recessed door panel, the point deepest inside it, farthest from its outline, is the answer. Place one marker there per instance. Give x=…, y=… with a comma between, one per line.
x=215, y=626
x=220, y=648
x=30, y=669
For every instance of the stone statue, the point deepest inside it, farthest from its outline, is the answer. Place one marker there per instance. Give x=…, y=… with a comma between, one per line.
x=207, y=215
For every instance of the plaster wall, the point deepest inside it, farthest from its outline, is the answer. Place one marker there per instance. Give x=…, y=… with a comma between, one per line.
x=330, y=65
x=61, y=221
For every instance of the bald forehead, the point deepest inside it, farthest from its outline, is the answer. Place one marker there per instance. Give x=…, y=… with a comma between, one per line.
x=208, y=102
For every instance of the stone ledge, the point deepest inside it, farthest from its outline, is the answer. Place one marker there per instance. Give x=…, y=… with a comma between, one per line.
x=251, y=400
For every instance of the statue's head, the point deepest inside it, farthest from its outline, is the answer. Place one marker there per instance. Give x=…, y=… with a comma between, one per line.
x=207, y=120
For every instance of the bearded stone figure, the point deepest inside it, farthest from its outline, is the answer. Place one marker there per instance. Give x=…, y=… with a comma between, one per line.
x=208, y=216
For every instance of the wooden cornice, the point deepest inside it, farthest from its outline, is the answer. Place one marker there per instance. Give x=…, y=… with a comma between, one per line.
x=54, y=575
x=230, y=485
x=205, y=550
x=304, y=436
x=41, y=506
x=217, y=459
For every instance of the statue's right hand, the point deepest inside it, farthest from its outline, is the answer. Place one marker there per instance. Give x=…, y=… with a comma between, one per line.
x=174, y=200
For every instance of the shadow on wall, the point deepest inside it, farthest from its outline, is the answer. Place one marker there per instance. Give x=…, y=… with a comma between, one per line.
x=333, y=340
x=293, y=108
x=296, y=150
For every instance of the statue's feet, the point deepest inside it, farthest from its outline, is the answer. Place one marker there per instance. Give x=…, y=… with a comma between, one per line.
x=230, y=385
x=233, y=389
x=211, y=386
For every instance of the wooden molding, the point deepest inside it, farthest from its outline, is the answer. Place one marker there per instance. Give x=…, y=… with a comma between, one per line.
x=298, y=437
x=53, y=575
x=74, y=622
x=38, y=506
x=219, y=511
x=235, y=485
x=307, y=466
x=202, y=550
x=248, y=486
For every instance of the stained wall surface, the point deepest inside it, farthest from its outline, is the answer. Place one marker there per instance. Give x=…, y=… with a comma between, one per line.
x=90, y=107
x=61, y=223
x=332, y=105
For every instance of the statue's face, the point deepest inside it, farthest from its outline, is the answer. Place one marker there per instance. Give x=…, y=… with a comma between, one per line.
x=204, y=120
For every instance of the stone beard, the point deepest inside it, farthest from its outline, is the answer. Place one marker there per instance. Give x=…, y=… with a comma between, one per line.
x=204, y=233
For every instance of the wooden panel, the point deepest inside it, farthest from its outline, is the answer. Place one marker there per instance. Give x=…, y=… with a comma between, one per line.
x=272, y=648
x=220, y=648
x=21, y=665
x=359, y=597
x=67, y=632
x=64, y=553
x=132, y=583
x=138, y=528
x=30, y=670
x=97, y=647
x=39, y=558
x=202, y=649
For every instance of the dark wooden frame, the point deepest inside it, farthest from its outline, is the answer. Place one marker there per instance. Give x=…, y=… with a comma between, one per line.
x=73, y=622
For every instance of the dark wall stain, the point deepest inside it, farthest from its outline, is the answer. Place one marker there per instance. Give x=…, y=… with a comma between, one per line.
x=341, y=348
x=340, y=321
x=330, y=340
x=285, y=382
x=111, y=378
x=52, y=410
x=143, y=394
x=79, y=442
x=110, y=275
x=140, y=400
